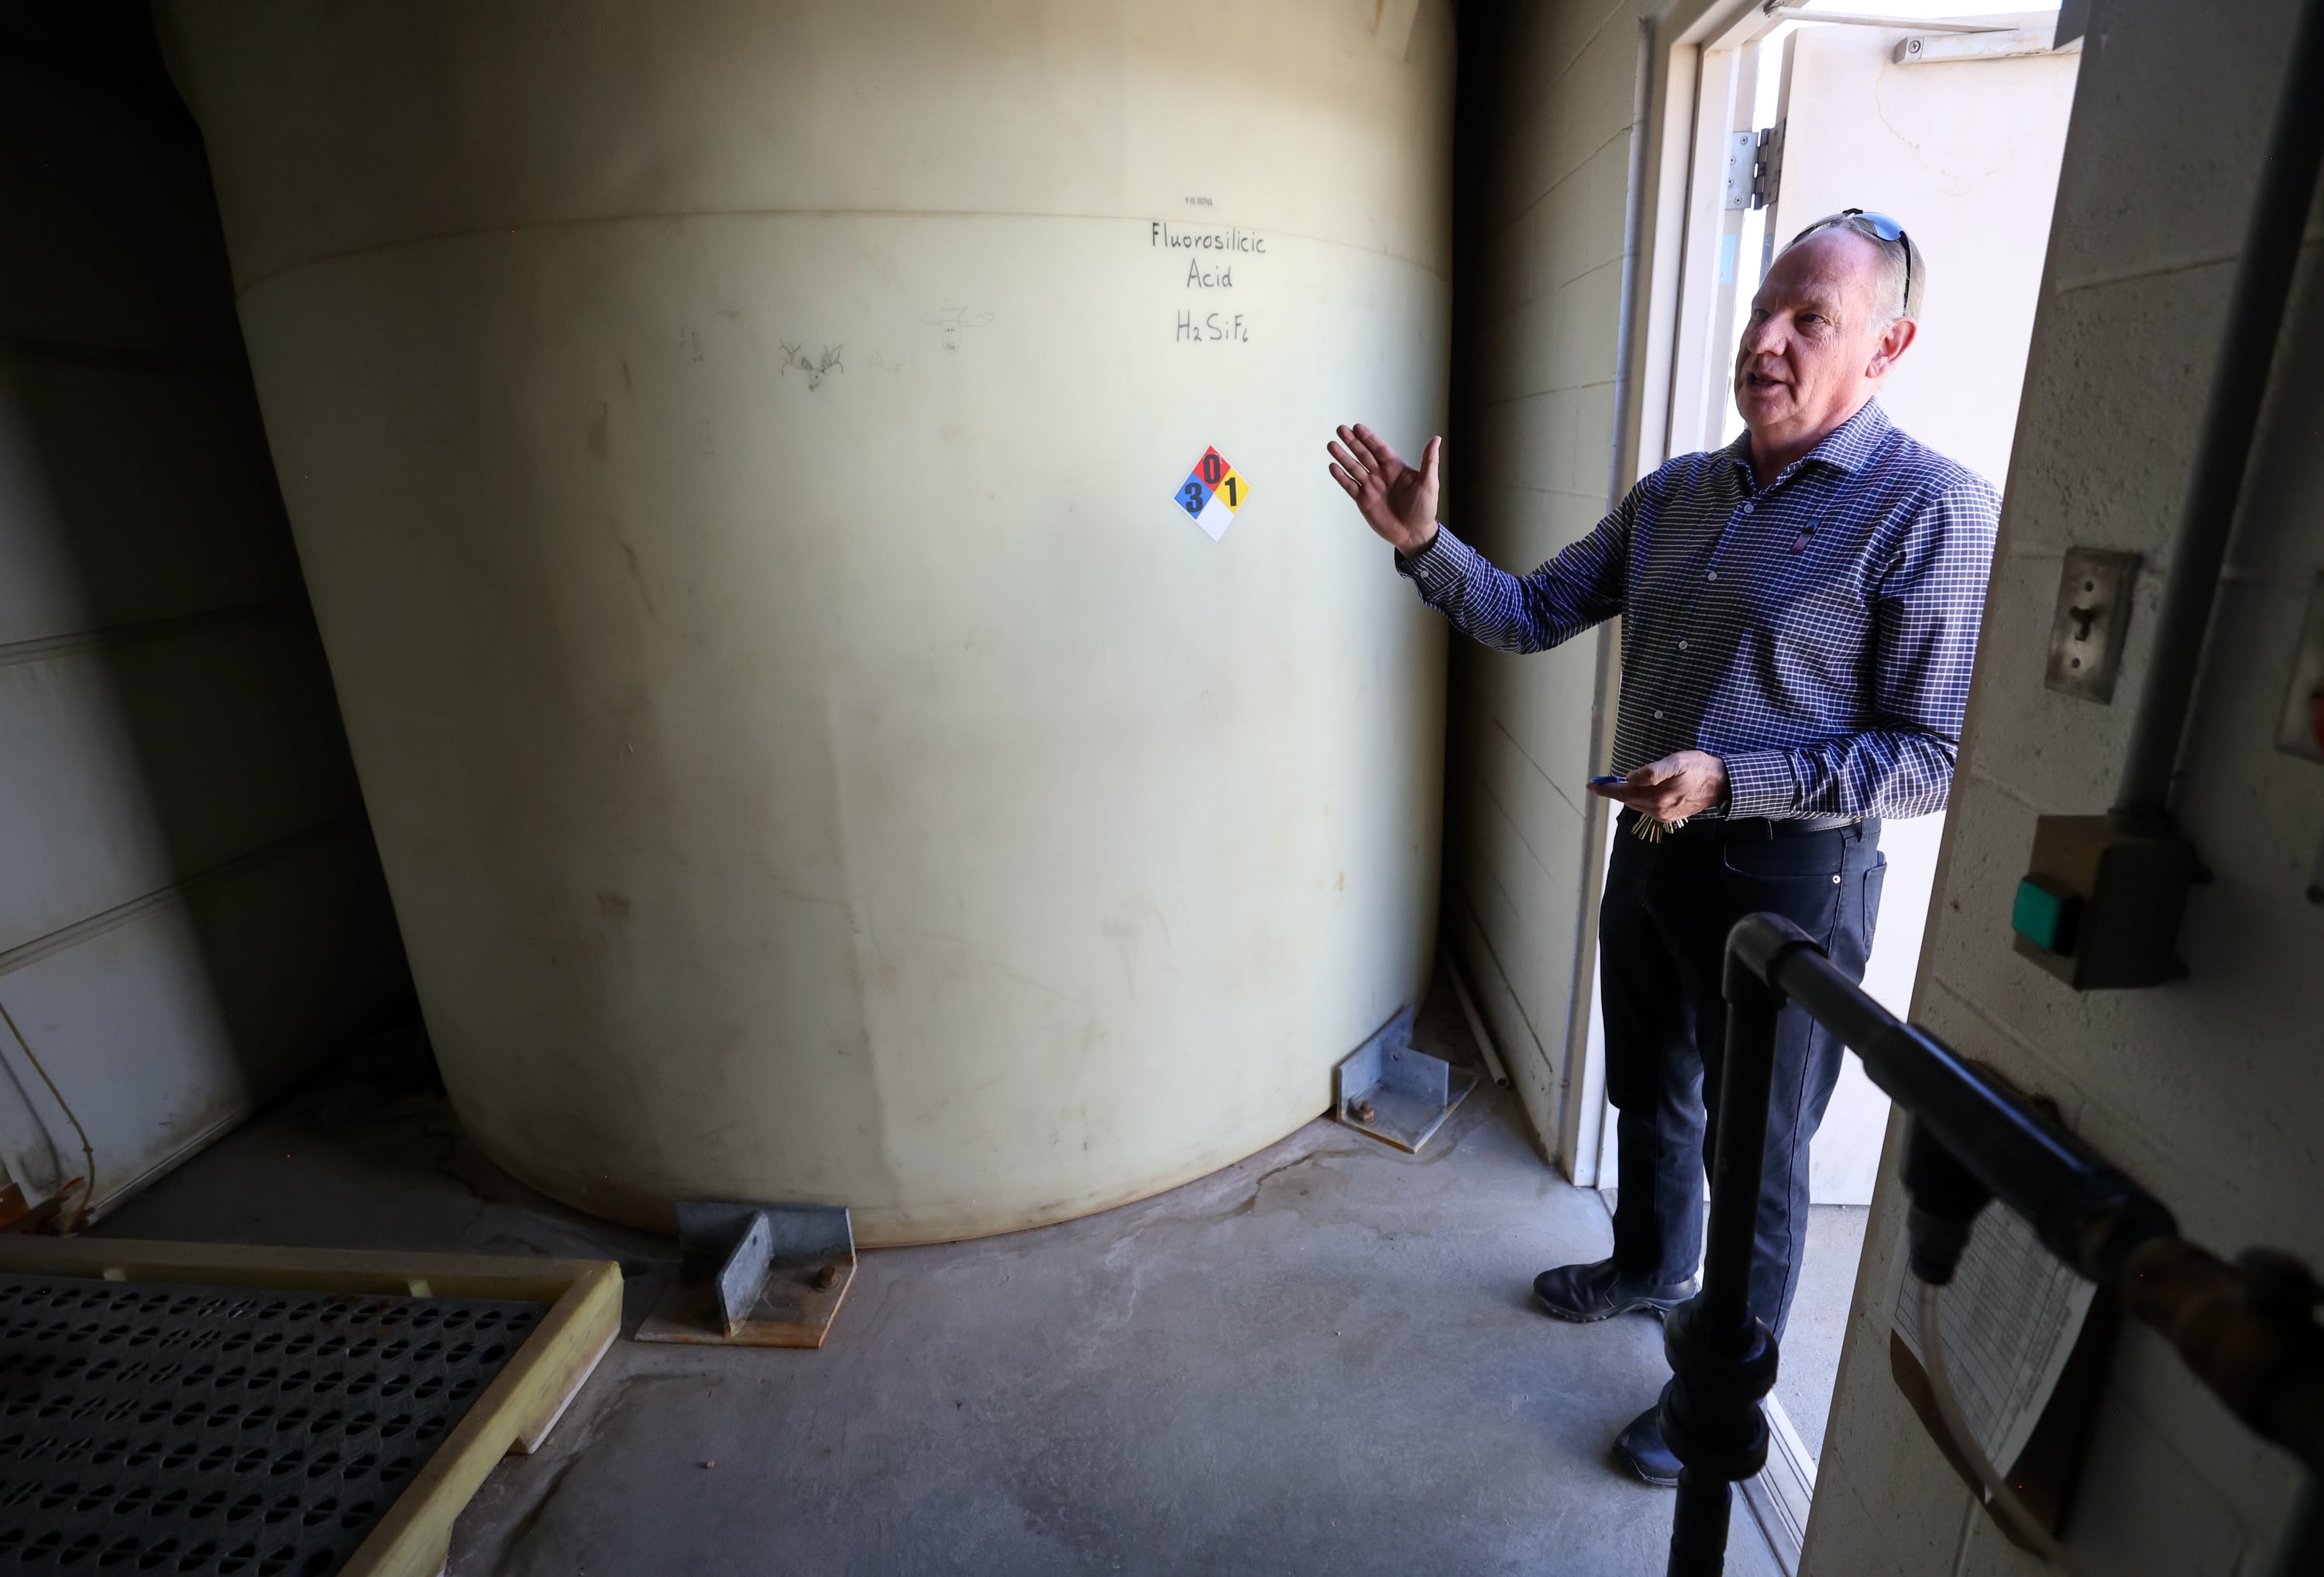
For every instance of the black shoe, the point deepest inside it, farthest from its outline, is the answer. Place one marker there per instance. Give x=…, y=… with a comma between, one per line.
x=1584, y=1292
x=1640, y=1448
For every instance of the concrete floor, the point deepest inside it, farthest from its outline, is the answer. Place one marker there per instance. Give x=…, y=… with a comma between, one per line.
x=1323, y=1360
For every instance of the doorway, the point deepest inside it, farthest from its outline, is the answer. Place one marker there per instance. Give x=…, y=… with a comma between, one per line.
x=1955, y=125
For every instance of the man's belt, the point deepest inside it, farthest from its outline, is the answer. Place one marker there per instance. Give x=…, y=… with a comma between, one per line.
x=1754, y=828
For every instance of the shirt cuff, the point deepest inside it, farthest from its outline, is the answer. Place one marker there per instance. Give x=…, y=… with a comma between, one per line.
x=1761, y=783
x=1445, y=562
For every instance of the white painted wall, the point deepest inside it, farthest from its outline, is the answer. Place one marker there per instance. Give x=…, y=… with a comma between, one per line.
x=190, y=907
x=2205, y=1091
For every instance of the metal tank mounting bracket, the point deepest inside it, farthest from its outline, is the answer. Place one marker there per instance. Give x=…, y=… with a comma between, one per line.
x=756, y=1274
x=1397, y=1095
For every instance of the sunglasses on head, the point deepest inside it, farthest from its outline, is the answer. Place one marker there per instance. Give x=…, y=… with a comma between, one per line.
x=1879, y=224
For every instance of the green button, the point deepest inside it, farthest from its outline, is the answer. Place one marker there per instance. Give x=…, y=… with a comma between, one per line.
x=2044, y=916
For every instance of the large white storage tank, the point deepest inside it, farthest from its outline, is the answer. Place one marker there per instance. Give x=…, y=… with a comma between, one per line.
x=732, y=446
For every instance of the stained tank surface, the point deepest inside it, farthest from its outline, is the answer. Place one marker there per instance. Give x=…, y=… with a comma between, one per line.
x=734, y=450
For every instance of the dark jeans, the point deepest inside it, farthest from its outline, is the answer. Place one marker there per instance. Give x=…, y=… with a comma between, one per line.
x=1662, y=940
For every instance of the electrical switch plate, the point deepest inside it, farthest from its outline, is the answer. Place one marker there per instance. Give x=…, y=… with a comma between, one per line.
x=2093, y=615
x=2300, y=731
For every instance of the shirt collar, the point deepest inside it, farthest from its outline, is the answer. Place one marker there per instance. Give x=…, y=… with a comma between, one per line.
x=1849, y=447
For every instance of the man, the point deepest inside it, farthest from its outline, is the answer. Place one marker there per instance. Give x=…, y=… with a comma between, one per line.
x=1800, y=610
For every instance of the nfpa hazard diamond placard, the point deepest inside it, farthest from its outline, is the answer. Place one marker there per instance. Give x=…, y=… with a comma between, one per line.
x=1212, y=493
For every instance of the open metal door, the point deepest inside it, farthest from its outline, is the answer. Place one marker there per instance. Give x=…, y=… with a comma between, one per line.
x=1964, y=152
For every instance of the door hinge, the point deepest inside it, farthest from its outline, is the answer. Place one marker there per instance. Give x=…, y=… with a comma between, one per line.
x=1755, y=167
x=1742, y=163
x=1767, y=167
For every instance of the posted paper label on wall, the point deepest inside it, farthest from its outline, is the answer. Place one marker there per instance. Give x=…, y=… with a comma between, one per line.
x=2010, y=1318
x=1212, y=493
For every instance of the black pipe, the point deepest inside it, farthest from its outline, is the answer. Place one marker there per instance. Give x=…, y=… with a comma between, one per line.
x=2287, y=189
x=2248, y=1331
x=1722, y=1358
x=2084, y=1210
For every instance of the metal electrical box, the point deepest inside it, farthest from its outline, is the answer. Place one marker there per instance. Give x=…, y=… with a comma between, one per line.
x=2100, y=907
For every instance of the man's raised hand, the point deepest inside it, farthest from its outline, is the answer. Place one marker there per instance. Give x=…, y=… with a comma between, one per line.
x=1397, y=501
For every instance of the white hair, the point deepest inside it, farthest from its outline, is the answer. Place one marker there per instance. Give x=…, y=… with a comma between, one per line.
x=1901, y=285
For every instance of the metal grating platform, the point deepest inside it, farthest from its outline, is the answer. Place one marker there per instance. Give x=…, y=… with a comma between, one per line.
x=149, y=1428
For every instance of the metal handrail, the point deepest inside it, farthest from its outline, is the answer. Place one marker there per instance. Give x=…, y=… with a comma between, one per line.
x=2247, y=1331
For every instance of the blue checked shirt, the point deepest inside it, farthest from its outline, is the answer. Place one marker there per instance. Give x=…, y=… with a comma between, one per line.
x=1816, y=636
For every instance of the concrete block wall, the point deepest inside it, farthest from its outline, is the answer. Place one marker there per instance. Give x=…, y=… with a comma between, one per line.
x=1530, y=458
x=190, y=907
x=2206, y=1090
